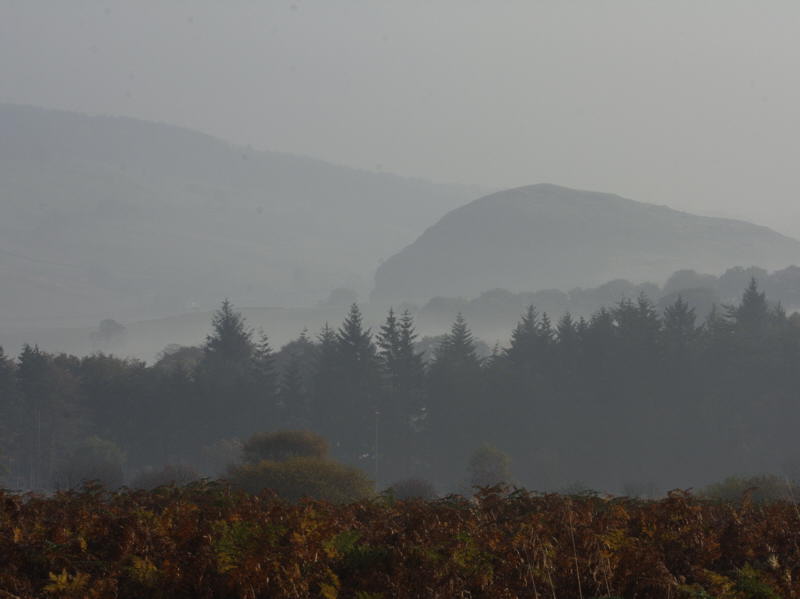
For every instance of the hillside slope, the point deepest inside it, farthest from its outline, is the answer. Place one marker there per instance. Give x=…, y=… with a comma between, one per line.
x=103, y=216
x=545, y=236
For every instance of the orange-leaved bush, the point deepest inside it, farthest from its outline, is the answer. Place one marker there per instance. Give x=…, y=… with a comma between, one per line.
x=304, y=477
x=295, y=465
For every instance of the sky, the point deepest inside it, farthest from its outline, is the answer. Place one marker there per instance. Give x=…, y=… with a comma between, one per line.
x=685, y=103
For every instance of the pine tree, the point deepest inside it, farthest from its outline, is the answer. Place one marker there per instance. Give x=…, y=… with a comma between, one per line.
x=230, y=340
x=402, y=409
x=297, y=362
x=412, y=365
x=636, y=377
x=529, y=361
x=354, y=343
x=567, y=331
x=358, y=385
x=347, y=388
x=51, y=415
x=231, y=398
x=10, y=415
x=402, y=364
x=567, y=357
x=680, y=329
x=524, y=339
x=264, y=359
x=292, y=396
x=637, y=325
x=264, y=386
x=457, y=349
x=388, y=342
x=324, y=410
x=456, y=408
x=751, y=316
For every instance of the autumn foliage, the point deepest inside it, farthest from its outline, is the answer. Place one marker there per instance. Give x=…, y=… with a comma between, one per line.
x=295, y=465
x=207, y=541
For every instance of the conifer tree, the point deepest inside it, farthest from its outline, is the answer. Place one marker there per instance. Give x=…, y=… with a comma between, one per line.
x=457, y=349
x=357, y=391
x=264, y=385
x=529, y=366
x=455, y=394
x=567, y=334
x=388, y=342
x=51, y=415
x=567, y=355
x=751, y=316
x=524, y=339
x=324, y=409
x=228, y=385
x=680, y=329
x=230, y=340
x=354, y=342
x=263, y=357
x=10, y=421
x=292, y=396
x=403, y=365
x=412, y=365
x=402, y=409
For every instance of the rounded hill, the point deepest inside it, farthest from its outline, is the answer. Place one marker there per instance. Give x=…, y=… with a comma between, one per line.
x=546, y=236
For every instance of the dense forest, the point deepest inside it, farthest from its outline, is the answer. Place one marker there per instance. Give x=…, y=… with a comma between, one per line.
x=633, y=399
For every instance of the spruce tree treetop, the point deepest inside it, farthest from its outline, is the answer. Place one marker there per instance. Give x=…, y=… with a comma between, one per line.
x=458, y=346
x=679, y=319
x=326, y=336
x=566, y=329
x=388, y=340
x=752, y=313
x=408, y=334
x=229, y=340
x=531, y=335
x=266, y=378
x=526, y=328
x=325, y=355
x=402, y=364
x=411, y=359
x=353, y=340
x=263, y=354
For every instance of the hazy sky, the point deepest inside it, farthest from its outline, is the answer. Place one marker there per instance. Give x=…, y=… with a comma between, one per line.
x=686, y=103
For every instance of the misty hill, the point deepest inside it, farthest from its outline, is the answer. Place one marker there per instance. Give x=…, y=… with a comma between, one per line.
x=545, y=236
x=103, y=216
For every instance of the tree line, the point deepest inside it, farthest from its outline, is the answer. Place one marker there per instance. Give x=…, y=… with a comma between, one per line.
x=632, y=399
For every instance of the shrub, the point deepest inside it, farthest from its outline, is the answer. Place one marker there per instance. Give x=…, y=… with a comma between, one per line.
x=750, y=583
x=283, y=445
x=412, y=488
x=489, y=466
x=171, y=474
x=299, y=477
x=95, y=459
x=763, y=488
